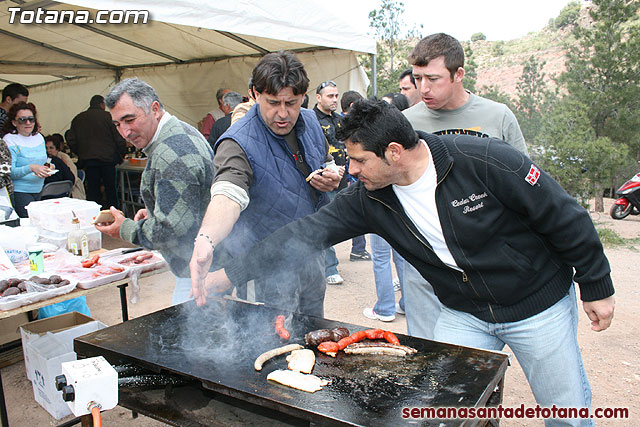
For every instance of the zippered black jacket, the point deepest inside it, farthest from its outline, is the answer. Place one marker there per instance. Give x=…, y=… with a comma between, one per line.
x=515, y=233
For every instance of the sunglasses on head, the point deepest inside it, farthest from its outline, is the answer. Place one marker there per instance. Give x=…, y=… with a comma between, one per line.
x=23, y=120
x=325, y=84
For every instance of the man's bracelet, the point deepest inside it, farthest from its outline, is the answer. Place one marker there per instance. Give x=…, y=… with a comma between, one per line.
x=206, y=236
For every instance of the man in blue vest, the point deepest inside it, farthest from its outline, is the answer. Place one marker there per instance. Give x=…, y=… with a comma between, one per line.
x=272, y=167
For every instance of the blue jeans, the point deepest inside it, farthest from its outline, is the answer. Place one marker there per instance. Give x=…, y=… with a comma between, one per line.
x=546, y=346
x=181, y=291
x=358, y=244
x=330, y=262
x=422, y=307
x=381, y=255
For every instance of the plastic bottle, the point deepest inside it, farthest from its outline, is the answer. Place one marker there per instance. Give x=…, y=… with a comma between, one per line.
x=77, y=241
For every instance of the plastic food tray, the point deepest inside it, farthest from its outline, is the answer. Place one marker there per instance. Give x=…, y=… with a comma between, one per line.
x=15, y=301
x=102, y=280
x=157, y=263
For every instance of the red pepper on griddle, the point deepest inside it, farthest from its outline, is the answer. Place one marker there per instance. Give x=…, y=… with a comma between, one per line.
x=280, y=330
x=391, y=337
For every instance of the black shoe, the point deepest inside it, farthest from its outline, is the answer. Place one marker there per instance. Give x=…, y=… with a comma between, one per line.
x=361, y=256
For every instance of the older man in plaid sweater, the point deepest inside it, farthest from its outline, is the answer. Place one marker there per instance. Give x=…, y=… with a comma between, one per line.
x=175, y=183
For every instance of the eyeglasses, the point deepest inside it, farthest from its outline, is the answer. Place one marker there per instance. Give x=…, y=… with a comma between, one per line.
x=23, y=120
x=325, y=84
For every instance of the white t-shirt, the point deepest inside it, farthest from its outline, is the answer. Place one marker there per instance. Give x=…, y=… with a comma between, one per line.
x=419, y=202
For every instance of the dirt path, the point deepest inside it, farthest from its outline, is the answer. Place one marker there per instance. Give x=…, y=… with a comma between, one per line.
x=611, y=358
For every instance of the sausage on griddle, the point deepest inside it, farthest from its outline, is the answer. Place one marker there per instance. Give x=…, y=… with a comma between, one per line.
x=280, y=329
x=318, y=336
x=338, y=333
x=314, y=338
x=375, y=348
x=273, y=353
x=329, y=347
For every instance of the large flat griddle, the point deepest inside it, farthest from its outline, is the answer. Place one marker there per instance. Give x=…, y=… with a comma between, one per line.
x=217, y=345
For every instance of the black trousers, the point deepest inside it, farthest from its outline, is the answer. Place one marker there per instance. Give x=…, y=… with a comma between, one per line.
x=21, y=200
x=99, y=173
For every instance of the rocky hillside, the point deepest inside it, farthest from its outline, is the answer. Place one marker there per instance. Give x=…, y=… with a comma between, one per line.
x=505, y=70
x=500, y=63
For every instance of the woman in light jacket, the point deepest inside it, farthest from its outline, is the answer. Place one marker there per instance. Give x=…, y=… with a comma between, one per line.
x=28, y=155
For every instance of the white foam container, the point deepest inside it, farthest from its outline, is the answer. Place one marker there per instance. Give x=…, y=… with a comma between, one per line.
x=56, y=214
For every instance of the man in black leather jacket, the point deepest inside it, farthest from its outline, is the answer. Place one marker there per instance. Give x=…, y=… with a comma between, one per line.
x=497, y=238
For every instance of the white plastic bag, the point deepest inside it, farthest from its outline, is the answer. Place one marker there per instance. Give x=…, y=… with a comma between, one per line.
x=14, y=240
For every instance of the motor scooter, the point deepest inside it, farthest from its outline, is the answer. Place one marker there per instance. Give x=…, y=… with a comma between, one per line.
x=629, y=199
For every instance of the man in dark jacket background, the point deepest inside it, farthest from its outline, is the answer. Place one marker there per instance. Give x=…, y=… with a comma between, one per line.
x=230, y=101
x=99, y=146
x=500, y=241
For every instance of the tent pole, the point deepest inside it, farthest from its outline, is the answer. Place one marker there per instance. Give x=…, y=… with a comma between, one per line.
x=374, y=74
x=118, y=74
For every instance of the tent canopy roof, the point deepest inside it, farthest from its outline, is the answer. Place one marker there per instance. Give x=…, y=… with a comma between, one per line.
x=178, y=32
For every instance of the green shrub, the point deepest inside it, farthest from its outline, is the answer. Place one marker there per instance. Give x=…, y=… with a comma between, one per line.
x=498, y=48
x=568, y=15
x=478, y=36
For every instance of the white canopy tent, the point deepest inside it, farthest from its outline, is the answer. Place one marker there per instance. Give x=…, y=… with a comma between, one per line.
x=186, y=51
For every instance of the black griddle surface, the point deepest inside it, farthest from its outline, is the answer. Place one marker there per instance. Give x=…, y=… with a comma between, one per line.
x=218, y=343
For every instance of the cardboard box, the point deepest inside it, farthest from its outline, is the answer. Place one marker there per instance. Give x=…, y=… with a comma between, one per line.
x=10, y=328
x=47, y=353
x=32, y=330
x=46, y=344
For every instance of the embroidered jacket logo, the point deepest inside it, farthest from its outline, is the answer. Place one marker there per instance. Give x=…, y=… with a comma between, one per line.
x=466, y=200
x=533, y=175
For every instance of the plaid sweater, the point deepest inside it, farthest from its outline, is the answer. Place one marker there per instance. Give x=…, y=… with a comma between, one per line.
x=175, y=189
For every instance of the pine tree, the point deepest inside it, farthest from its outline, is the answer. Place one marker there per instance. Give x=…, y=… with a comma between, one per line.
x=470, y=68
x=603, y=70
x=532, y=96
x=570, y=151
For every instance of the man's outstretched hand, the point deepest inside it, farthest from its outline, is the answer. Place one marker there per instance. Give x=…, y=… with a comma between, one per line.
x=199, y=266
x=203, y=282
